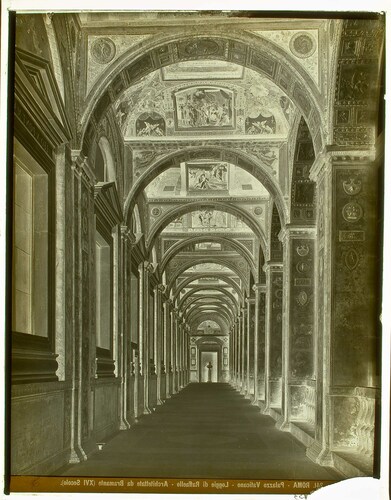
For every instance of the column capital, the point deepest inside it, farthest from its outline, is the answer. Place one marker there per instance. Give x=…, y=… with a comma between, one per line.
x=81, y=166
x=273, y=266
x=148, y=266
x=321, y=164
x=259, y=288
x=169, y=303
x=295, y=232
x=161, y=288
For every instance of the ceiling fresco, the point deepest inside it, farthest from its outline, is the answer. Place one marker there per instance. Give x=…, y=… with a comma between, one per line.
x=205, y=178
x=246, y=105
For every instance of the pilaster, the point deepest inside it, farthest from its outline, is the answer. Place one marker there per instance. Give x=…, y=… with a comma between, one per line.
x=259, y=342
x=298, y=323
x=273, y=335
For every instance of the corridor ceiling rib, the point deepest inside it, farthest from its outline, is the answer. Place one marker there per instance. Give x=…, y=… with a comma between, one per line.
x=177, y=247
x=195, y=303
x=194, y=206
x=207, y=260
x=183, y=284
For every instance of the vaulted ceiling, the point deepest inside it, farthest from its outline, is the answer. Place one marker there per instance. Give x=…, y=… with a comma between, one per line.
x=209, y=117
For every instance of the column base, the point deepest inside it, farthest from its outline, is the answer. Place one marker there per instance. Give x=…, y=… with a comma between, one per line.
x=325, y=458
x=283, y=425
x=313, y=452
x=77, y=456
x=147, y=410
x=123, y=426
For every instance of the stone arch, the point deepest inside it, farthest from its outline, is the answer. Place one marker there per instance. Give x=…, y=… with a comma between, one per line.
x=217, y=319
x=251, y=164
x=205, y=204
x=189, y=280
x=276, y=249
x=206, y=260
x=243, y=48
x=205, y=287
x=136, y=226
x=199, y=314
x=228, y=300
x=109, y=163
x=215, y=309
x=176, y=248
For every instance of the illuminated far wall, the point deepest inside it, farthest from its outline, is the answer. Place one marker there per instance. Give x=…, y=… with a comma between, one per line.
x=202, y=344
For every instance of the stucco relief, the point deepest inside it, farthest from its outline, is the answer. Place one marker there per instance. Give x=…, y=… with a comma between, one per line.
x=107, y=49
x=303, y=45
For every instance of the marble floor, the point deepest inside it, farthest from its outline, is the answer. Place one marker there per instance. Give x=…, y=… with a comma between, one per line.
x=205, y=431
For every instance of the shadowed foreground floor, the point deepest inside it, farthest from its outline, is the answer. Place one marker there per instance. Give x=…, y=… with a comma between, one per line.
x=205, y=431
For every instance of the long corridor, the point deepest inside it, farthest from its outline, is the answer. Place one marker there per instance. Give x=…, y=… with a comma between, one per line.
x=205, y=431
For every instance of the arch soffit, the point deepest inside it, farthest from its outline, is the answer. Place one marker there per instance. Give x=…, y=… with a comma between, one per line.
x=206, y=287
x=176, y=248
x=207, y=339
x=208, y=317
x=197, y=303
x=243, y=48
x=189, y=280
x=243, y=160
x=224, y=295
x=196, y=205
x=206, y=260
x=217, y=310
x=108, y=157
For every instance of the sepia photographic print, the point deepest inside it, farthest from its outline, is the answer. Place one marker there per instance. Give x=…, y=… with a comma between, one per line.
x=195, y=250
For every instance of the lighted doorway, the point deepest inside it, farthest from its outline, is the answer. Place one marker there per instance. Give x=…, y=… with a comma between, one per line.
x=206, y=358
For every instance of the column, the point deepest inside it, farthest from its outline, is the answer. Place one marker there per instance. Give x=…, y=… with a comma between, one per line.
x=247, y=327
x=172, y=350
x=236, y=361
x=273, y=345
x=233, y=354
x=144, y=269
x=250, y=346
x=124, y=340
x=298, y=324
x=156, y=339
x=258, y=362
x=239, y=343
x=167, y=344
x=243, y=357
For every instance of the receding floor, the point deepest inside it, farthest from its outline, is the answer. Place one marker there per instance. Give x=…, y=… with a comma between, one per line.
x=205, y=431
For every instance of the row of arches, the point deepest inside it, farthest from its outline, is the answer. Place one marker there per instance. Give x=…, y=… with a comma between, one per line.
x=127, y=297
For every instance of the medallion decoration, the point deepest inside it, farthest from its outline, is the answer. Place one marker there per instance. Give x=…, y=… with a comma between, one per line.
x=302, y=267
x=352, y=186
x=302, y=45
x=302, y=298
x=202, y=48
x=257, y=211
x=351, y=259
x=103, y=50
x=352, y=212
x=156, y=211
x=302, y=250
